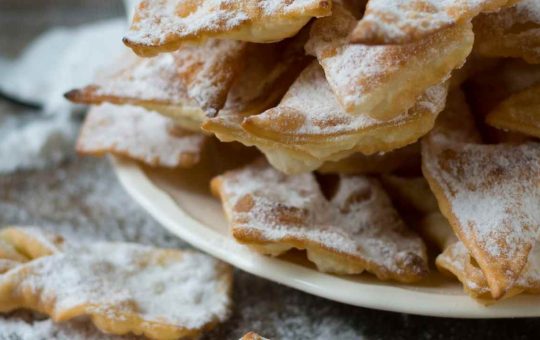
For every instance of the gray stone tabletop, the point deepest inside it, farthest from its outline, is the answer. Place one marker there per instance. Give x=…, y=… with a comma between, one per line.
x=82, y=198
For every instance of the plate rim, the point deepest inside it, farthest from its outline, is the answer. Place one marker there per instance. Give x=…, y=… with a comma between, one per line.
x=166, y=211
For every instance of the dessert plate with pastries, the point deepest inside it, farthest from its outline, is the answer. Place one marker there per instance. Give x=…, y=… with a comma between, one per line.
x=378, y=153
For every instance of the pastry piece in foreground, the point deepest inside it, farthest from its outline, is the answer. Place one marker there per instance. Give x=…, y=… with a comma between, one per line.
x=489, y=194
x=356, y=230
x=401, y=22
x=134, y=132
x=520, y=113
x=182, y=85
x=510, y=32
x=123, y=288
x=164, y=25
x=310, y=122
x=384, y=81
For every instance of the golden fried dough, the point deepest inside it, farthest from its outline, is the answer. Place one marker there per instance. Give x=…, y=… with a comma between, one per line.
x=137, y=133
x=123, y=288
x=489, y=194
x=384, y=81
x=520, y=113
x=182, y=85
x=165, y=25
x=356, y=230
x=401, y=22
x=310, y=121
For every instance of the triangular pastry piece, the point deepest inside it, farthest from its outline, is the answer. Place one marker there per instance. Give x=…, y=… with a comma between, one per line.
x=134, y=132
x=400, y=22
x=519, y=113
x=123, y=288
x=414, y=198
x=510, y=32
x=489, y=194
x=356, y=230
x=309, y=119
x=384, y=81
x=164, y=25
x=183, y=85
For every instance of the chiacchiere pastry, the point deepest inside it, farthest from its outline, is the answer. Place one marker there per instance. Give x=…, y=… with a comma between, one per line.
x=401, y=22
x=370, y=80
x=309, y=121
x=184, y=85
x=139, y=134
x=122, y=287
x=165, y=25
x=356, y=229
x=437, y=101
x=489, y=194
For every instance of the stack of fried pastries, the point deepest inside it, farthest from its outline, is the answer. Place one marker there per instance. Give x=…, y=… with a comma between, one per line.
x=386, y=128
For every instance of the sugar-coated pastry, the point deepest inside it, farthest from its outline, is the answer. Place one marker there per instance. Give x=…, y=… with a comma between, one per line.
x=356, y=230
x=164, y=25
x=134, y=132
x=384, y=81
x=122, y=288
x=405, y=21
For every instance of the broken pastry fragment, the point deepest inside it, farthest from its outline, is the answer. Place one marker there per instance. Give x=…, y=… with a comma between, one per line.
x=165, y=25
x=402, y=22
x=136, y=133
x=355, y=230
x=123, y=288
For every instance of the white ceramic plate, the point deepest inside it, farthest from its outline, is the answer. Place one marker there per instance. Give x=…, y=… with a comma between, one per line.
x=181, y=202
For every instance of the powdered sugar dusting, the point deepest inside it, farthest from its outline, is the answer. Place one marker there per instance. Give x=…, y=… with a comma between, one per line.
x=312, y=99
x=154, y=79
x=358, y=221
x=183, y=289
x=369, y=79
x=398, y=21
x=159, y=22
x=494, y=194
x=140, y=134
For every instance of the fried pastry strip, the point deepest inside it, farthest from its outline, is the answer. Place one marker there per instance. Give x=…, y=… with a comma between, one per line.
x=143, y=135
x=356, y=230
x=489, y=194
x=406, y=21
x=384, y=81
x=165, y=25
